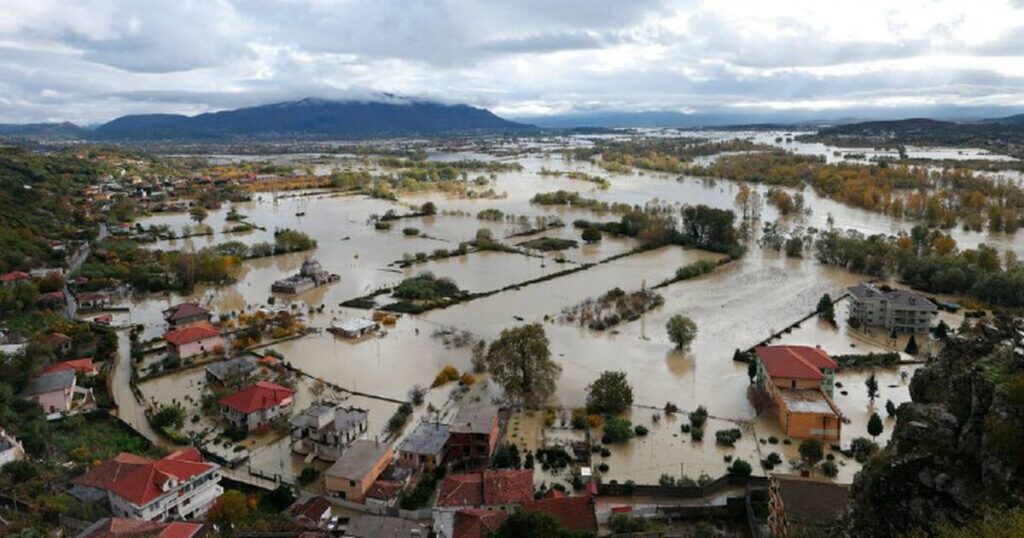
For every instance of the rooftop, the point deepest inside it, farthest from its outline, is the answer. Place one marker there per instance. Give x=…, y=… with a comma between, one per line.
x=84, y=365
x=475, y=417
x=239, y=366
x=486, y=488
x=371, y=526
x=900, y=298
x=478, y=522
x=193, y=333
x=574, y=513
x=145, y=483
x=360, y=458
x=50, y=382
x=806, y=401
x=810, y=500
x=116, y=527
x=428, y=438
x=185, y=311
x=798, y=362
x=261, y=395
x=311, y=508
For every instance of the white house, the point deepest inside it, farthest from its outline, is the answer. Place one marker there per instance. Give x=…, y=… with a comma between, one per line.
x=180, y=485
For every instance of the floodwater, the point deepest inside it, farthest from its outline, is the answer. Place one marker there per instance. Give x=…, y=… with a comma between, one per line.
x=734, y=307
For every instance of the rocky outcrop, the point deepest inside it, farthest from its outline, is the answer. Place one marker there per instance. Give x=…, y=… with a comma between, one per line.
x=958, y=447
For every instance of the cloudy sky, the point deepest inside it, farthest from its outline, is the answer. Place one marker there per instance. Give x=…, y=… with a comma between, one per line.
x=91, y=60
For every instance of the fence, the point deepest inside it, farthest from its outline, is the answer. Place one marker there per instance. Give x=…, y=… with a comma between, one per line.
x=681, y=492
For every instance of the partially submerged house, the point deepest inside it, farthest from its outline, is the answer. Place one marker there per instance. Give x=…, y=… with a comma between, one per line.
x=326, y=430
x=185, y=314
x=474, y=431
x=426, y=446
x=194, y=340
x=311, y=275
x=257, y=405
x=357, y=469
x=354, y=328
x=799, y=380
x=230, y=372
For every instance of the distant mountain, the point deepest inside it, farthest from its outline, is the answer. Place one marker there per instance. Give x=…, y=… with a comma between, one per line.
x=44, y=131
x=1017, y=119
x=314, y=118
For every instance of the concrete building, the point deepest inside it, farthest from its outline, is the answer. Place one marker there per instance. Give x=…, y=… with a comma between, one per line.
x=356, y=470
x=896, y=310
x=310, y=276
x=231, y=372
x=257, y=405
x=798, y=380
x=194, y=340
x=326, y=430
x=54, y=391
x=425, y=447
x=474, y=432
x=372, y=526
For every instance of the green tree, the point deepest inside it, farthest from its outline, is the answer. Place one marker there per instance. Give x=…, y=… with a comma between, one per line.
x=591, y=235
x=752, y=370
x=231, y=509
x=911, y=348
x=811, y=451
x=681, y=330
x=519, y=361
x=169, y=416
x=875, y=426
x=890, y=408
x=609, y=394
x=278, y=499
x=534, y=524
x=198, y=213
x=740, y=467
x=826, y=310
x=872, y=385
x=617, y=430
x=830, y=469
x=428, y=208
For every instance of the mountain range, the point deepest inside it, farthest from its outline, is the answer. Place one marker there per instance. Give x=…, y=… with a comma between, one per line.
x=304, y=119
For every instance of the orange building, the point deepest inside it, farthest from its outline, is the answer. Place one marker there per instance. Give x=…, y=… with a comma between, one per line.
x=355, y=471
x=799, y=380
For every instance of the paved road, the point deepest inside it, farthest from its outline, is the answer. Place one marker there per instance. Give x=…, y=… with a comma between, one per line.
x=129, y=409
x=71, y=310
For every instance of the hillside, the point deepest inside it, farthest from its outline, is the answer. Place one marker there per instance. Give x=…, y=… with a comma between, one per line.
x=1005, y=135
x=956, y=448
x=313, y=118
x=44, y=131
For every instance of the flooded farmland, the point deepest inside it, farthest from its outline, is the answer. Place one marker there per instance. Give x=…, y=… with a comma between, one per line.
x=736, y=306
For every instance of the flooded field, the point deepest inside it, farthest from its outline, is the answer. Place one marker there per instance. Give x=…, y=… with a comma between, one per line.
x=736, y=306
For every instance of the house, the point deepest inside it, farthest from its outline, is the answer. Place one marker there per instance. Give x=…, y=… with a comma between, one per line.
x=493, y=489
x=573, y=513
x=116, y=527
x=10, y=449
x=477, y=522
x=92, y=486
x=60, y=342
x=194, y=340
x=82, y=366
x=474, y=431
x=311, y=275
x=326, y=430
x=799, y=504
x=51, y=299
x=356, y=470
x=186, y=314
x=257, y=404
x=426, y=446
x=311, y=512
x=93, y=301
x=54, y=390
x=798, y=379
x=896, y=310
x=13, y=277
x=231, y=371
x=371, y=526
x=353, y=328
x=180, y=485
x=44, y=272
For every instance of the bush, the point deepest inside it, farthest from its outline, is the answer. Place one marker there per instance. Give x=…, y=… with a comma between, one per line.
x=640, y=431
x=447, y=374
x=699, y=417
x=727, y=437
x=237, y=433
x=467, y=379
x=410, y=231
x=609, y=394
x=169, y=416
x=772, y=460
x=830, y=469
x=697, y=434
x=617, y=430
x=308, y=475
x=667, y=480
x=862, y=449
x=740, y=467
x=603, y=467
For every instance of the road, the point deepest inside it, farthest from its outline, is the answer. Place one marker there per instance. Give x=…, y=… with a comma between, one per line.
x=129, y=410
x=82, y=254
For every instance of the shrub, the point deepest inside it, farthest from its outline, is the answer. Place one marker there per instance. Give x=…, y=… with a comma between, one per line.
x=617, y=430
x=697, y=434
x=410, y=231
x=740, y=467
x=862, y=449
x=830, y=469
x=667, y=480
x=772, y=460
x=308, y=475
x=447, y=374
x=699, y=417
x=727, y=437
x=640, y=431
x=605, y=452
x=467, y=379
x=603, y=467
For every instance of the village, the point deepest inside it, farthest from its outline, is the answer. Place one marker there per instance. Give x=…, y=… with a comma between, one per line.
x=298, y=349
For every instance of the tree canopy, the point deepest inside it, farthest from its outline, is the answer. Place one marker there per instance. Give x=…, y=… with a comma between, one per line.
x=519, y=361
x=609, y=394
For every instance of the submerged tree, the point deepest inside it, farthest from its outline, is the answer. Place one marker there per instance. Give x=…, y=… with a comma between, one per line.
x=826, y=310
x=681, y=330
x=911, y=348
x=519, y=361
x=609, y=394
x=872, y=385
x=875, y=426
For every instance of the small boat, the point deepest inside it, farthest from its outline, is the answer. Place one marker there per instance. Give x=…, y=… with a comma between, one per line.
x=300, y=214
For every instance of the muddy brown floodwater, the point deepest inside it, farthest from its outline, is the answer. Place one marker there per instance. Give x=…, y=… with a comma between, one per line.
x=734, y=307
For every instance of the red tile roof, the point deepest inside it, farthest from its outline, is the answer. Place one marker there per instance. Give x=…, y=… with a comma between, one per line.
x=117, y=527
x=108, y=472
x=14, y=276
x=310, y=509
x=145, y=483
x=573, y=513
x=84, y=366
x=262, y=395
x=383, y=490
x=194, y=333
x=477, y=522
x=796, y=362
x=486, y=488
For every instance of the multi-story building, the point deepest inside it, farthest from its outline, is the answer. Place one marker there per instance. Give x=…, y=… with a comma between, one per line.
x=180, y=485
x=194, y=340
x=326, y=430
x=426, y=446
x=474, y=431
x=896, y=310
x=357, y=469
